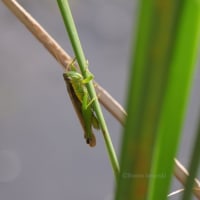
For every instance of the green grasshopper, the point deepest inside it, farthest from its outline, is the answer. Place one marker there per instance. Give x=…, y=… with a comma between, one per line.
x=76, y=86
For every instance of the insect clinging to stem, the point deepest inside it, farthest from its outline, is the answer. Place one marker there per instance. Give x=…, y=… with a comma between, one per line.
x=83, y=104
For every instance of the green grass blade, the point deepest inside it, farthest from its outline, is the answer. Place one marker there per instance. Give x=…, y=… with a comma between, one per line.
x=147, y=85
x=158, y=91
x=172, y=113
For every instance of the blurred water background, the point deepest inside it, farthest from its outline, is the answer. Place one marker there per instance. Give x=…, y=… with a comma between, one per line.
x=43, y=154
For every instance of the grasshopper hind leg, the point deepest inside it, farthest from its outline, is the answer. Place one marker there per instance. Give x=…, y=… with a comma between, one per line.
x=91, y=141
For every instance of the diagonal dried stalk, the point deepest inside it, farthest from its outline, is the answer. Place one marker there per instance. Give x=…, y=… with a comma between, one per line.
x=64, y=59
x=61, y=56
x=181, y=174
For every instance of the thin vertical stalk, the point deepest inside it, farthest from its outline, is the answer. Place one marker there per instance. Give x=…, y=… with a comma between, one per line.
x=76, y=44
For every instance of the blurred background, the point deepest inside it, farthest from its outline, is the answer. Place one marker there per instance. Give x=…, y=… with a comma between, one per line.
x=42, y=151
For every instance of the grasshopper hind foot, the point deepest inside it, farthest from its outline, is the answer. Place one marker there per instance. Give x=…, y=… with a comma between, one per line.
x=91, y=141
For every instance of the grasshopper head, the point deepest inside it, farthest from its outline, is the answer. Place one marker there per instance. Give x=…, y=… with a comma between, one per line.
x=74, y=76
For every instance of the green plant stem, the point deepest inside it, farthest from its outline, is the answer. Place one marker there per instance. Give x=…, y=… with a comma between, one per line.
x=76, y=44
